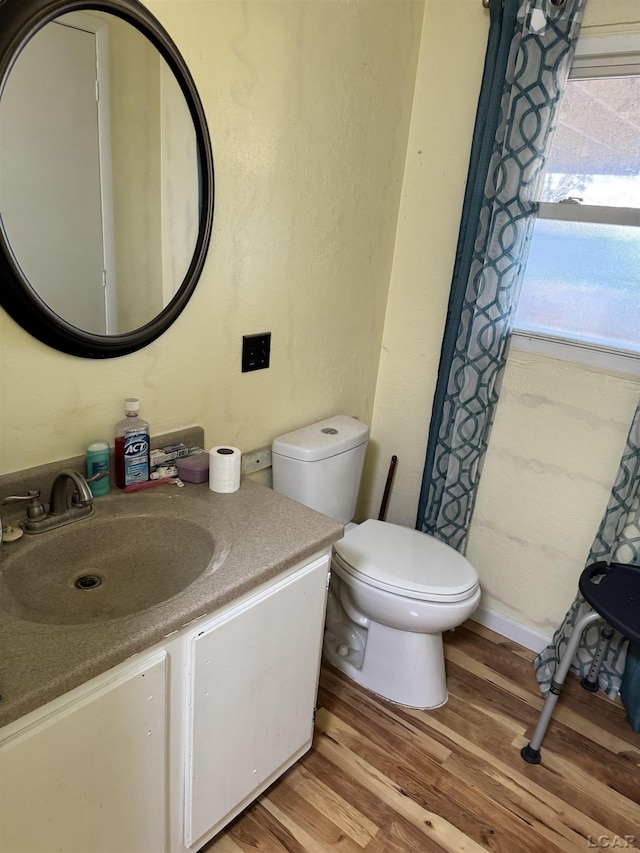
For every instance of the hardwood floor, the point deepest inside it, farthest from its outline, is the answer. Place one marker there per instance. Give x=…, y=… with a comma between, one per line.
x=385, y=779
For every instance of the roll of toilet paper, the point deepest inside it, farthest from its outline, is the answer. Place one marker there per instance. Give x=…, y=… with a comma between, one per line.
x=224, y=469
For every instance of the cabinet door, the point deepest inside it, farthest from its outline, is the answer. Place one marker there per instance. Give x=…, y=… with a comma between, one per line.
x=254, y=678
x=88, y=776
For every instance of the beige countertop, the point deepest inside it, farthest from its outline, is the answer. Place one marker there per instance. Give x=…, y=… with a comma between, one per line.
x=259, y=534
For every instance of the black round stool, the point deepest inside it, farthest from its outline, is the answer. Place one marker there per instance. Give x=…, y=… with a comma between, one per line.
x=613, y=591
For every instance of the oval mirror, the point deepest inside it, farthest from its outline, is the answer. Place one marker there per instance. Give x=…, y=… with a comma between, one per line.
x=106, y=175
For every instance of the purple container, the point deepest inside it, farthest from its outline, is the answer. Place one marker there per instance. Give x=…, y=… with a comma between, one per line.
x=194, y=469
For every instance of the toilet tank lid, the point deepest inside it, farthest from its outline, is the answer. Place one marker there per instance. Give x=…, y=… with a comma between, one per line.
x=323, y=439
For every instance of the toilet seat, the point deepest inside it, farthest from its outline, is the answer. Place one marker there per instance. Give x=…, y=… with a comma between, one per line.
x=405, y=562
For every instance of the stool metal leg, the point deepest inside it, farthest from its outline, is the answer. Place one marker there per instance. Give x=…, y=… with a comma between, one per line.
x=590, y=681
x=531, y=752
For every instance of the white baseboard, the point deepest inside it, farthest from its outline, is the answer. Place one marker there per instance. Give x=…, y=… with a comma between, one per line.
x=519, y=633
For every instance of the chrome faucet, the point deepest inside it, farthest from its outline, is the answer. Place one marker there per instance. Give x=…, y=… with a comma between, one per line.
x=62, y=501
x=65, y=505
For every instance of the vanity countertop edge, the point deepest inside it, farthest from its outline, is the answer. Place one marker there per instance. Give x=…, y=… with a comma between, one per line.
x=269, y=534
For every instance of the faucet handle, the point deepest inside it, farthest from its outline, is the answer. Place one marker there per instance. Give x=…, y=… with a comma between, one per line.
x=35, y=508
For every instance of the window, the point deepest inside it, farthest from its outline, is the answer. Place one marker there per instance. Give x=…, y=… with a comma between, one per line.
x=581, y=291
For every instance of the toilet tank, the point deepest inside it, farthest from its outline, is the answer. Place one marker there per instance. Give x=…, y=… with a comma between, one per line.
x=320, y=465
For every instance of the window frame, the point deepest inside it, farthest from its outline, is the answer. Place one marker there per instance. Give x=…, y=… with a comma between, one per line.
x=596, y=57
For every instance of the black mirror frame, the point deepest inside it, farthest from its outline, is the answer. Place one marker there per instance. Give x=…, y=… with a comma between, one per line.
x=19, y=21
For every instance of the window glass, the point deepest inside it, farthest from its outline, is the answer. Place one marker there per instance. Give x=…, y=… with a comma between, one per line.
x=582, y=280
x=595, y=154
x=582, y=284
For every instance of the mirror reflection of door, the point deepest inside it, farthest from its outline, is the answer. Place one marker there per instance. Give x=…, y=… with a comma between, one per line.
x=50, y=176
x=100, y=199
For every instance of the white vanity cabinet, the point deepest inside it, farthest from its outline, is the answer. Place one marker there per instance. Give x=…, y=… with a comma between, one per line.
x=160, y=752
x=253, y=676
x=87, y=772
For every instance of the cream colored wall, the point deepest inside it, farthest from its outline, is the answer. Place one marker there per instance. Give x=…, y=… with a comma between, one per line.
x=555, y=448
x=560, y=427
x=308, y=105
x=447, y=86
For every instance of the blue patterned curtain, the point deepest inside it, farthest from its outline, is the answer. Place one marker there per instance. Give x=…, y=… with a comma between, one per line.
x=529, y=53
x=618, y=541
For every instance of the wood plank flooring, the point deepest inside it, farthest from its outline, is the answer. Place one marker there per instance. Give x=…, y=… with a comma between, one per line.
x=385, y=779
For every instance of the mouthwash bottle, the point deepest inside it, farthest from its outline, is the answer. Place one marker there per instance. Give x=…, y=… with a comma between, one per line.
x=132, y=446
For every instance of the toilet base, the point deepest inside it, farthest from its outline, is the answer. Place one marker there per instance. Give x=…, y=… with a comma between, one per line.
x=401, y=666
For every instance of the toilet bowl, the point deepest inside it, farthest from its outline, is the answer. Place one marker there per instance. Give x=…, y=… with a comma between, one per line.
x=393, y=592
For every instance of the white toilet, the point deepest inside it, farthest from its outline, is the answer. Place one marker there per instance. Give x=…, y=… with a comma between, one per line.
x=393, y=589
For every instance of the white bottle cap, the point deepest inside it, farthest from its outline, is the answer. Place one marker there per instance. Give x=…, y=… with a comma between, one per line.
x=131, y=406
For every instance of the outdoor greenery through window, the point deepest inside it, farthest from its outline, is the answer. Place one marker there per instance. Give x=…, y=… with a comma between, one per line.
x=582, y=281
